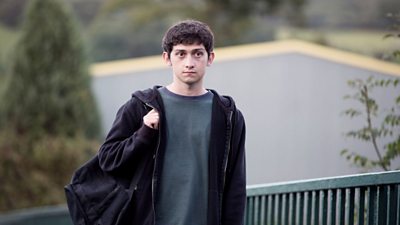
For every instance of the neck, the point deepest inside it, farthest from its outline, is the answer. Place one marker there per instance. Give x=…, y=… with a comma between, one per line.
x=187, y=90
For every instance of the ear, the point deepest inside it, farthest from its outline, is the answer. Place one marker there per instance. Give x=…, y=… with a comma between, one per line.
x=210, y=58
x=166, y=59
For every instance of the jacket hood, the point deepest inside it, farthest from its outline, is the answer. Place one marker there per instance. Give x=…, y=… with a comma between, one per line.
x=146, y=96
x=149, y=96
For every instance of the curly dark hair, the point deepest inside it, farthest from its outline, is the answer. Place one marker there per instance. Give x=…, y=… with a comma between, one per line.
x=188, y=32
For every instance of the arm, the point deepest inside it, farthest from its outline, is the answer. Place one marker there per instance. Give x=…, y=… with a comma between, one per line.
x=234, y=197
x=128, y=138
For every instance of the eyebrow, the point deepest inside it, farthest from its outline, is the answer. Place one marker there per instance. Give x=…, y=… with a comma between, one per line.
x=193, y=50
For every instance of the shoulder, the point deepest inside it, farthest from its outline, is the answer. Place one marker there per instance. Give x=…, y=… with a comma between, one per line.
x=226, y=101
x=136, y=105
x=146, y=95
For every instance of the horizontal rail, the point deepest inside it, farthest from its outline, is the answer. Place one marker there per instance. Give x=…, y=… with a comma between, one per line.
x=49, y=215
x=360, y=180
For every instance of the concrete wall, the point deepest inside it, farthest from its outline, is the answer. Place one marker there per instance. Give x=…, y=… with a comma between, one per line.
x=292, y=103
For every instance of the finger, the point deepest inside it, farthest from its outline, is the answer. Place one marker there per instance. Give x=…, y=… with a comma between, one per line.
x=155, y=125
x=153, y=111
x=152, y=115
x=155, y=115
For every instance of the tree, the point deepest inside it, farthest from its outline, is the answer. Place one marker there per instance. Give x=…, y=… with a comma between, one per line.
x=49, y=89
x=137, y=25
x=50, y=121
x=389, y=129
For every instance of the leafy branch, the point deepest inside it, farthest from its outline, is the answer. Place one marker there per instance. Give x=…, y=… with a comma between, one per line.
x=389, y=127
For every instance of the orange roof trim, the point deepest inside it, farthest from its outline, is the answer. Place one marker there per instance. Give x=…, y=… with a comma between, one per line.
x=251, y=51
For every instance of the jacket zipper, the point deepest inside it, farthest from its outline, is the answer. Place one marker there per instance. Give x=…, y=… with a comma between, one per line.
x=226, y=159
x=229, y=147
x=153, y=181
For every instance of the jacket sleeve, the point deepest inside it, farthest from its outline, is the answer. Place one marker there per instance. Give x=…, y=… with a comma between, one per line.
x=127, y=139
x=234, y=197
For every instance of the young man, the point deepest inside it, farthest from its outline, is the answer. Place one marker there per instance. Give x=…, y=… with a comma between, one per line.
x=191, y=138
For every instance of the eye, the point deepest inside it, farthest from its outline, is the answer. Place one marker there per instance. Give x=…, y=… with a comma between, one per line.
x=180, y=54
x=199, y=54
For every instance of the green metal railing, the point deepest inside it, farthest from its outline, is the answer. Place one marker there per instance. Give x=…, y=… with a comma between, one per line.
x=350, y=200
x=364, y=199
x=52, y=215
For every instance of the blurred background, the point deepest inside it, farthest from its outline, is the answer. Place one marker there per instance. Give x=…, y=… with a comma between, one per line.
x=116, y=29
x=54, y=111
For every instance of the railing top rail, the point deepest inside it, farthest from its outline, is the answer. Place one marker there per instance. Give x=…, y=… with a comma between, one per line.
x=39, y=212
x=359, y=180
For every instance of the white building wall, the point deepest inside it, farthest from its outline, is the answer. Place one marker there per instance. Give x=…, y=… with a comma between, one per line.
x=292, y=104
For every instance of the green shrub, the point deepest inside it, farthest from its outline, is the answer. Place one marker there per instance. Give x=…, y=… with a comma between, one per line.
x=50, y=123
x=34, y=173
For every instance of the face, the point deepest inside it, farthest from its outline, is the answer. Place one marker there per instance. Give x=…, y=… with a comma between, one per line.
x=188, y=63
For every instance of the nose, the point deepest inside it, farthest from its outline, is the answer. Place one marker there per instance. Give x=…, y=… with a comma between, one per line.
x=189, y=62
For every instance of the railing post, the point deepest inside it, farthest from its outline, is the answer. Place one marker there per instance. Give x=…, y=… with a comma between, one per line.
x=342, y=206
x=372, y=209
x=293, y=208
x=361, y=206
x=316, y=207
x=333, y=198
x=267, y=209
x=394, y=205
x=382, y=205
x=308, y=211
x=325, y=207
x=279, y=209
x=256, y=210
x=350, y=207
x=301, y=208
x=287, y=212
x=262, y=213
x=249, y=210
x=273, y=210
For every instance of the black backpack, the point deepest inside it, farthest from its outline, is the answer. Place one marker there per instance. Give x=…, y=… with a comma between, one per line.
x=95, y=197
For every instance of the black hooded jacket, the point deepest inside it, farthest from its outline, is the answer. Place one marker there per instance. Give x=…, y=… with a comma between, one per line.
x=130, y=141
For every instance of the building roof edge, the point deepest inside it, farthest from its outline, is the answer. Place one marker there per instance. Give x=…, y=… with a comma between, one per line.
x=254, y=50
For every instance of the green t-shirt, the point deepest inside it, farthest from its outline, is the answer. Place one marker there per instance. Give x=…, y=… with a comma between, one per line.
x=184, y=178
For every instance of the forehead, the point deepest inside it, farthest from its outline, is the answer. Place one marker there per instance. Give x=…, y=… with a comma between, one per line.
x=188, y=47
